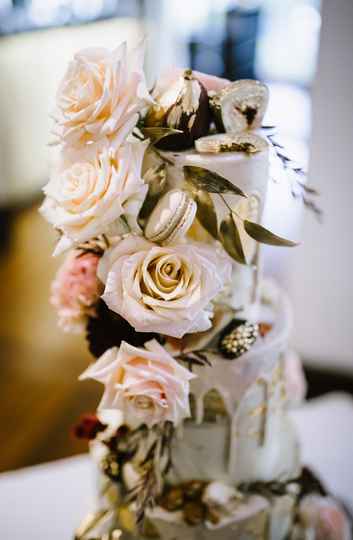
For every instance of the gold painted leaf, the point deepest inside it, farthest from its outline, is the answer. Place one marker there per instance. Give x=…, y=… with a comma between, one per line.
x=230, y=238
x=210, y=181
x=155, y=134
x=206, y=213
x=264, y=236
x=148, y=205
x=156, y=178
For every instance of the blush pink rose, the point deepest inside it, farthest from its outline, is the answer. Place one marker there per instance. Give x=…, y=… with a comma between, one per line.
x=324, y=518
x=147, y=385
x=75, y=291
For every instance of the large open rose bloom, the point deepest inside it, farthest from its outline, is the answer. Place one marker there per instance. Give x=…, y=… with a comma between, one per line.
x=166, y=289
x=89, y=190
x=75, y=291
x=101, y=95
x=147, y=385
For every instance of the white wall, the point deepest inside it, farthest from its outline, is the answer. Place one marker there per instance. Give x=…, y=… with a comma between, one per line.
x=320, y=278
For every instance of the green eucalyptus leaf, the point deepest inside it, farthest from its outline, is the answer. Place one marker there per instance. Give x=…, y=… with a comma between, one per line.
x=206, y=213
x=231, y=241
x=264, y=236
x=210, y=181
x=156, y=134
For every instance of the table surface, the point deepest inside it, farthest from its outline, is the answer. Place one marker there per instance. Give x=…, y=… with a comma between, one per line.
x=46, y=502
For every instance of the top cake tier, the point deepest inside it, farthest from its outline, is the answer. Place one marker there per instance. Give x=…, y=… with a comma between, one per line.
x=250, y=173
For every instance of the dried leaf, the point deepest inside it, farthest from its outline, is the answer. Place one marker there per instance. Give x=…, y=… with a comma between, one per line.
x=156, y=134
x=206, y=213
x=230, y=238
x=264, y=236
x=153, y=468
x=210, y=181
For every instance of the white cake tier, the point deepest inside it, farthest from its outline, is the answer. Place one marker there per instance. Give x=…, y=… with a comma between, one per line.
x=253, y=439
x=253, y=518
x=251, y=174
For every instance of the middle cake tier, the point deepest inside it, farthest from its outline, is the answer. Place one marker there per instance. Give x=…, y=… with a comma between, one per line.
x=240, y=431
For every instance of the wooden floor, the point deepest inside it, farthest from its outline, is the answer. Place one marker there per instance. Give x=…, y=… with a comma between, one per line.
x=40, y=395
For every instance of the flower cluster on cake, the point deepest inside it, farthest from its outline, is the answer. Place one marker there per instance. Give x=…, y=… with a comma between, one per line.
x=158, y=198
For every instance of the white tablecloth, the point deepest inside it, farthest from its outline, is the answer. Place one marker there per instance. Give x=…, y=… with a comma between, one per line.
x=46, y=502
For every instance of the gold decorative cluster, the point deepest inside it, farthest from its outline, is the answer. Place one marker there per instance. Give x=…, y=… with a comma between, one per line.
x=239, y=336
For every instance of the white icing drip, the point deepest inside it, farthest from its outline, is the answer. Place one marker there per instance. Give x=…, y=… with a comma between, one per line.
x=233, y=442
x=255, y=441
x=232, y=379
x=264, y=408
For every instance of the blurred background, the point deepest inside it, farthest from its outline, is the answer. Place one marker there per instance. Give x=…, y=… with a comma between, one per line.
x=301, y=49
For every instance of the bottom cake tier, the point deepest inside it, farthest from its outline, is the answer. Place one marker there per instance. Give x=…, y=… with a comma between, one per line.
x=296, y=510
x=231, y=471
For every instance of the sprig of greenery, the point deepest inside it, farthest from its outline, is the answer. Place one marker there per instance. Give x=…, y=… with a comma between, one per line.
x=155, y=464
x=196, y=358
x=202, y=182
x=299, y=189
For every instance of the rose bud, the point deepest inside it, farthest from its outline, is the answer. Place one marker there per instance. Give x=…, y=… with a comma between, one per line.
x=183, y=106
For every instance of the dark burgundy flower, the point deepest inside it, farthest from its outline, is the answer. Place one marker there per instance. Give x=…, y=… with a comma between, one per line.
x=88, y=427
x=108, y=329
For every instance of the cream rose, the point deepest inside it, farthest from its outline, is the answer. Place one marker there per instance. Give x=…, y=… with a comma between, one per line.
x=146, y=385
x=89, y=190
x=101, y=95
x=166, y=289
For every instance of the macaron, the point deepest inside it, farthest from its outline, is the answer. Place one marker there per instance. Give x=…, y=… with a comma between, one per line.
x=171, y=218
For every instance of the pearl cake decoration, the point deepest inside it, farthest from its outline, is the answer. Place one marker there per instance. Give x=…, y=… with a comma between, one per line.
x=238, y=338
x=241, y=105
x=231, y=142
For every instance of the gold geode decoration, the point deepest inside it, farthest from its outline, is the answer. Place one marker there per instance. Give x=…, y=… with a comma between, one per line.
x=241, y=105
x=187, y=498
x=237, y=338
x=231, y=142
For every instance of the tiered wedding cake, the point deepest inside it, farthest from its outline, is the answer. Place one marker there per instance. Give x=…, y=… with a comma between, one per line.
x=160, y=199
